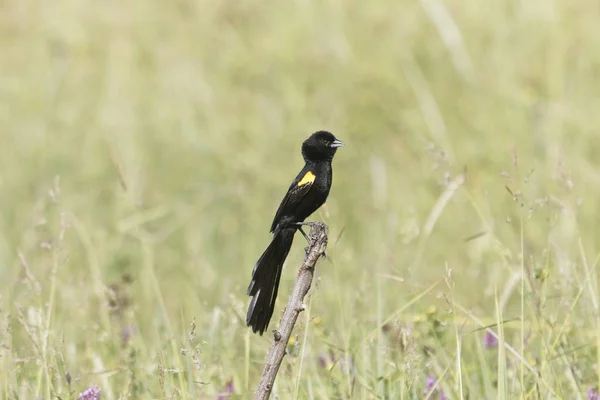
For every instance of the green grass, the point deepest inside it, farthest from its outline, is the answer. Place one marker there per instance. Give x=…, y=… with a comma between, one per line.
x=146, y=145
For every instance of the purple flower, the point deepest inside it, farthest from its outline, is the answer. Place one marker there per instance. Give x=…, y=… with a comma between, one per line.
x=592, y=394
x=227, y=391
x=489, y=340
x=326, y=360
x=322, y=360
x=430, y=384
x=92, y=393
x=127, y=333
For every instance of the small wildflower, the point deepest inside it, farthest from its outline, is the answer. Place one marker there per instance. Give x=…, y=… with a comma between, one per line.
x=68, y=378
x=418, y=318
x=327, y=360
x=332, y=356
x=227, y=391
x=322, y=360
x=489, y=340
x=429, y=385
x=127, y=333
x=592, y=394
x=532, y=361
x=93, y=393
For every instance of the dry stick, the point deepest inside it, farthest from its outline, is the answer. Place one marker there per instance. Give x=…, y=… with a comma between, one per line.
x=318, y=244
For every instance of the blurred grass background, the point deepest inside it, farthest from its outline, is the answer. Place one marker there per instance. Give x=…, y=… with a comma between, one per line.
x=146, y=145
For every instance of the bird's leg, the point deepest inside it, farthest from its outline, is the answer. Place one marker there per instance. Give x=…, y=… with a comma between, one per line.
x=299, y=225
x=304, y=234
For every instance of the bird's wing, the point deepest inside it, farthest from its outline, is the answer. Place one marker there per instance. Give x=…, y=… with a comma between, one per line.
x=297, y=190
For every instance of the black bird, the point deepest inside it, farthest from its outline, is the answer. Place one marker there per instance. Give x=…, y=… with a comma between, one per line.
x=305, y=195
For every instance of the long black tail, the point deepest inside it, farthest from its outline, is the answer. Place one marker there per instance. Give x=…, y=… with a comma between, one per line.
x=265, y=280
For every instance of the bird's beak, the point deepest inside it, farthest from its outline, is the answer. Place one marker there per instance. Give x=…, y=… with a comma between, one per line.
x=336, y=143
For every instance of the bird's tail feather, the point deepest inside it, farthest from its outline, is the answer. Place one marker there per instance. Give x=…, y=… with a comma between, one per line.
x=265, y=280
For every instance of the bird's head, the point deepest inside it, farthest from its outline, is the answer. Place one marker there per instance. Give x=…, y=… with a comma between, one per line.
x=321, y=145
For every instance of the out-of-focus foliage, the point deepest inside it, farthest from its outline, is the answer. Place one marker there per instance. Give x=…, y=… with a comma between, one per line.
x=144, y=147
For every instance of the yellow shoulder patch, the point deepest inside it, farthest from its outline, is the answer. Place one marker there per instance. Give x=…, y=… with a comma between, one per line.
x=309, y=177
